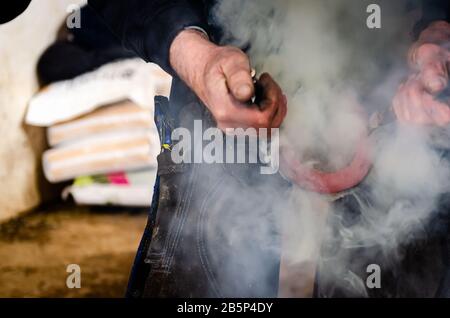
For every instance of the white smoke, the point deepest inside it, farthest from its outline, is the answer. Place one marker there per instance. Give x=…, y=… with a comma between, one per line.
x=328, y=63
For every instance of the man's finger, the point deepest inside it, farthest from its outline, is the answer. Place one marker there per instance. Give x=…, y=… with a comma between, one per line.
x=239, y=80
x=271, y=93
x=234, y=114
x=241, y=86
x=431, y=61
x=422, y=54
x=281, y=112
x=434, y=76
x=272, y=109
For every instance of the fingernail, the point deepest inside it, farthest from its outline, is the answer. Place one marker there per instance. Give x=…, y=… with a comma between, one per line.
x=437, y=84
x=243, y=91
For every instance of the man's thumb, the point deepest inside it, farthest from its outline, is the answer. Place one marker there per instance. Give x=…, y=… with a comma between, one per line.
x=241, y=85
x=434, y=77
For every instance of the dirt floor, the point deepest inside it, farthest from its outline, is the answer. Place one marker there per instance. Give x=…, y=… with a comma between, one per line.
x=36, y=249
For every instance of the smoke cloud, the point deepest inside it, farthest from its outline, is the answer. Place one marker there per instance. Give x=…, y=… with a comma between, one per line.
x=331, y=66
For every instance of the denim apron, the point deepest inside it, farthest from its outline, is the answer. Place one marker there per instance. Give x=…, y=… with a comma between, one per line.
x=213, y=228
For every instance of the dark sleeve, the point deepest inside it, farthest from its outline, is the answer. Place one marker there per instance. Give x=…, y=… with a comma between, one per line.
x=148, y=27
x=432, y=10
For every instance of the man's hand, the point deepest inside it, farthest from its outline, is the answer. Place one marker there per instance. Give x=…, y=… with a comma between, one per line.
x=429, y=59
x=221, y=78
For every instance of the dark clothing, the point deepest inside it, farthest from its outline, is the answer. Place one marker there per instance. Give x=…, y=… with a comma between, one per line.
x=433, y=10
x=213, y=229
x=80, y=50
x=149, y=27
x=416, y=266
x=186, y=250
